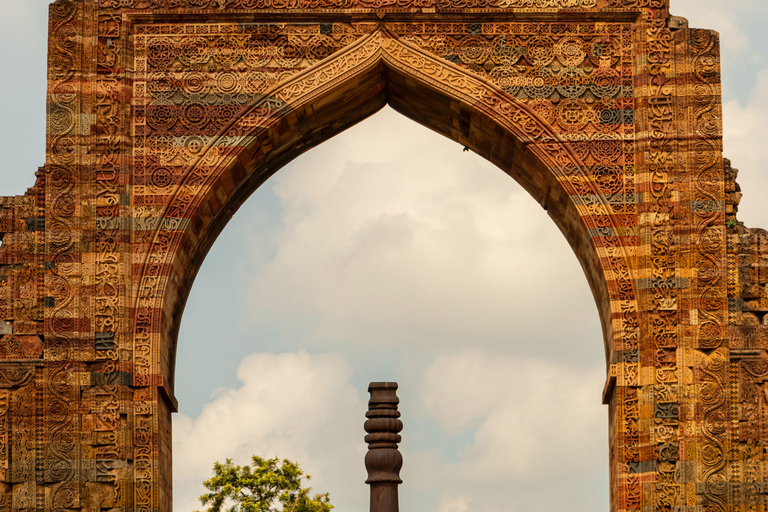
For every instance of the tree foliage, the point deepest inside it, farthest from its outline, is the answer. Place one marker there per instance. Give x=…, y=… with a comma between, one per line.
x=266, y=485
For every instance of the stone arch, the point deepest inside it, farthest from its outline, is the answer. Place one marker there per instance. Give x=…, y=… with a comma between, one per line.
x=334, y=94
x=96, y=258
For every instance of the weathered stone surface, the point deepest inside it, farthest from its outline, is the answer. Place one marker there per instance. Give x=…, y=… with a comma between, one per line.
x=164, y=115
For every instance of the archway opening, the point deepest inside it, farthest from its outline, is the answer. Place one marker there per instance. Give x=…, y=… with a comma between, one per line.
x=390, y=249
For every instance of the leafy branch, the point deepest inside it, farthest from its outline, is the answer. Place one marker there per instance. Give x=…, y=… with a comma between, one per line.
x=261, y=487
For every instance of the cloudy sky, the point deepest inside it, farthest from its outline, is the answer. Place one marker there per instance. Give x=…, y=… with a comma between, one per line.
x=387, y=253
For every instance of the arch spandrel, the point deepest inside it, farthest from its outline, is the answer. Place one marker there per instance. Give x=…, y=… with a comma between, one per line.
x=606, y=111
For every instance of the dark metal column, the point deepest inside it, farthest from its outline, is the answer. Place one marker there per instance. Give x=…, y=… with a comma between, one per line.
x=383, y=461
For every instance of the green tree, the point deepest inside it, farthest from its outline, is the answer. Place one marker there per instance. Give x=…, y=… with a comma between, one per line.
x=261, y=487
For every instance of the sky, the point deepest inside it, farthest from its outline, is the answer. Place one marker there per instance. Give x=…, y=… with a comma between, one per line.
x=388, y=253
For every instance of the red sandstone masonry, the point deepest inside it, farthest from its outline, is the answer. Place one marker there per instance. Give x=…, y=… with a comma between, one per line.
x=164, y=115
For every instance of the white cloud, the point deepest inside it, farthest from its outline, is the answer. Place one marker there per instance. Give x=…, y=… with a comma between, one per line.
x=294, y=405
x=393, y=235
x=520, y=408
x=745, y=135
x=454, y=504
x=538, y=429
x=23, y=44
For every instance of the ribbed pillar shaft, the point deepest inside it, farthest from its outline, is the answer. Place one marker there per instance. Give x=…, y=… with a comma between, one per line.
x=383, y=461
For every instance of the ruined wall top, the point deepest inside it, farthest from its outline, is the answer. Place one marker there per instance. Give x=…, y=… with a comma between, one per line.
x=540, y=7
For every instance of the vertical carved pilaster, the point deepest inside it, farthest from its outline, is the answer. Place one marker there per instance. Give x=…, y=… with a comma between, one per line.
x=383, y=461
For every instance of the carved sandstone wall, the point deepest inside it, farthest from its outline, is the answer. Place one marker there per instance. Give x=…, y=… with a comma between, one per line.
x=164, y=115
